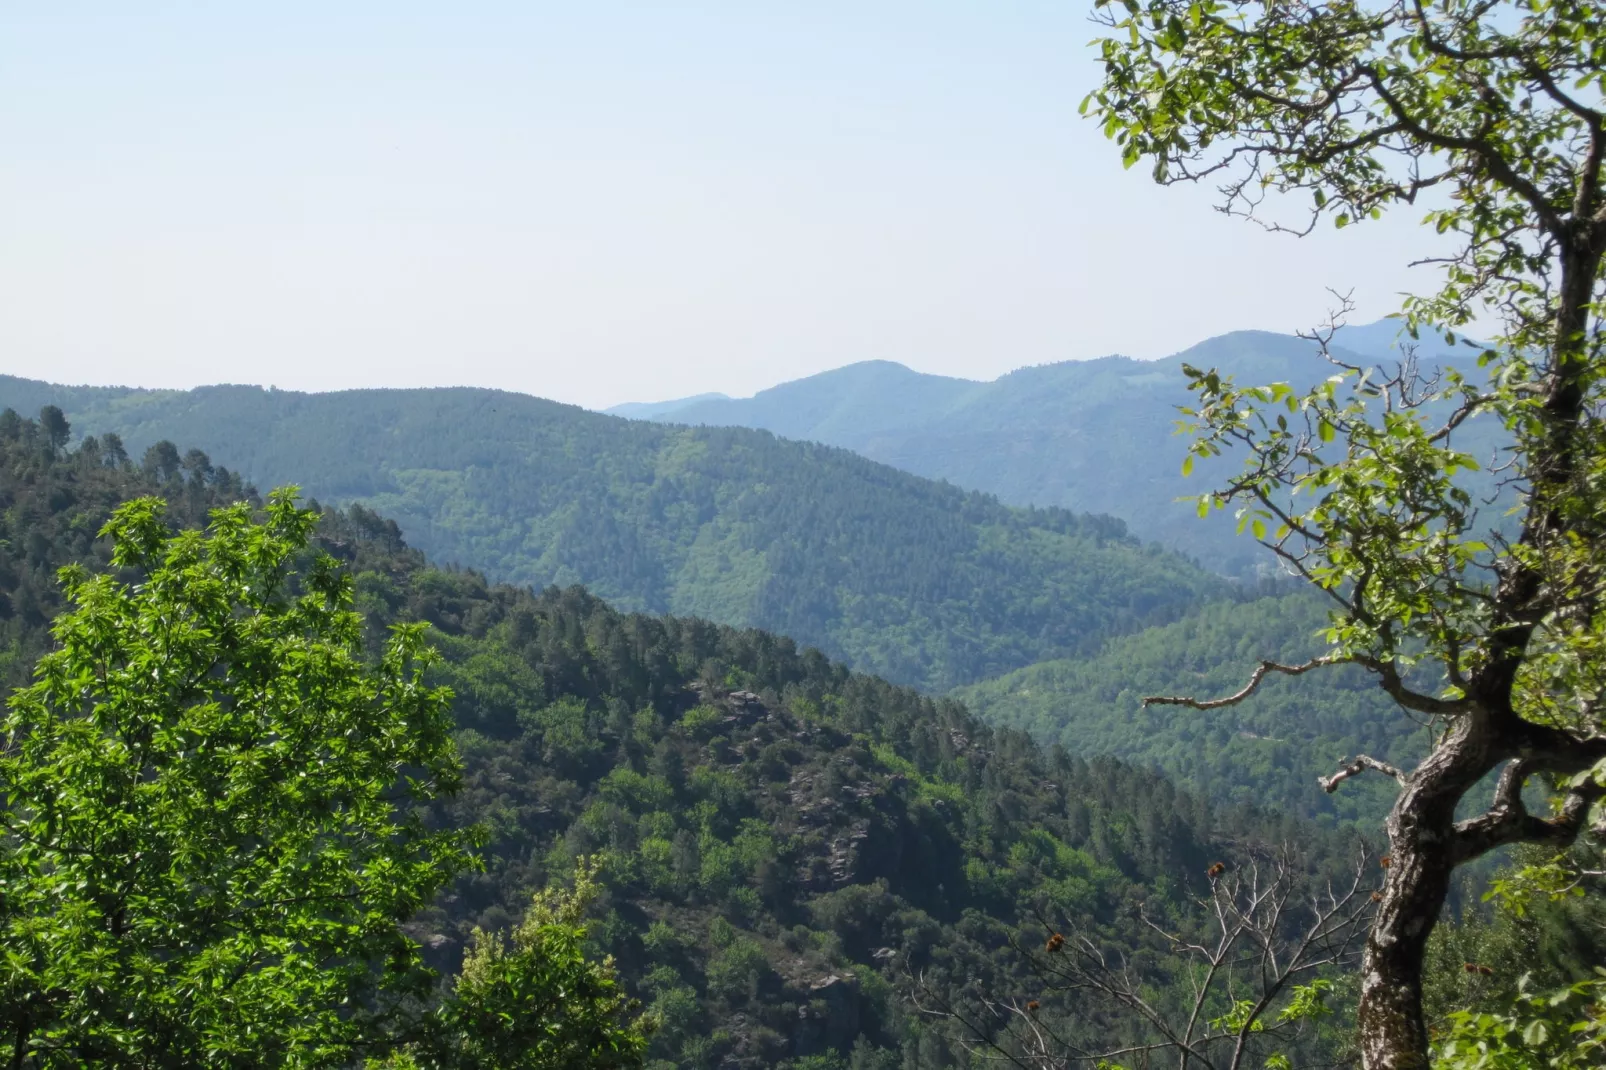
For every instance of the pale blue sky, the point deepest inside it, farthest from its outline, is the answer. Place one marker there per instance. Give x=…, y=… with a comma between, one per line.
x=600, y=202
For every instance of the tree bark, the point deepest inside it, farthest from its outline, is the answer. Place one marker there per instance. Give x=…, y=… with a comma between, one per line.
x=1424, y=847
x=1422, y=857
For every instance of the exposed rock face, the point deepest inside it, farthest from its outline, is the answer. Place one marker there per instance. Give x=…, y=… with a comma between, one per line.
x=830, y=1018
x=843, y=864
x=829, y=1015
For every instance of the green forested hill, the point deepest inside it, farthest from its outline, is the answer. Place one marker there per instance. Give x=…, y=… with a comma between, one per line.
x=1093, y=436
x=52, y=504
x=1268, y=750
x=918, y=581
x=788, y=843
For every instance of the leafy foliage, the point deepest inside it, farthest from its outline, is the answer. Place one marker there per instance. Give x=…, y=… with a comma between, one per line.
x=535, y=1000
x=209, y=841
x=1561, y=1030
x=1495, y=102
x=53, y=504
x=1545, y=933
x=783, y=842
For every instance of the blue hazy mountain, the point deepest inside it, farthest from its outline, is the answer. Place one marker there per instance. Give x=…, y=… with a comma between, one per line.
x=657, y=410
x=1093, y=436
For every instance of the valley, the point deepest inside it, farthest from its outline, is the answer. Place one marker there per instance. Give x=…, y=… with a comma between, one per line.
x=787, y=842
x=841, y=734
x=1041, y=619
x=492, y=578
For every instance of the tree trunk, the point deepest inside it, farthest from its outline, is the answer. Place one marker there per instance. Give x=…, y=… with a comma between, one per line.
x=1421, y=859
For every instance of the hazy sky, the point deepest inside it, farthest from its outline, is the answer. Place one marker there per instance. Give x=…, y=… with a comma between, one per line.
x=600, y=202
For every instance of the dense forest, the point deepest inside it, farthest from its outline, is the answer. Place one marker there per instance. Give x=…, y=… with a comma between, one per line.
x=914, y=580
x=1268, y=751
x=799, y=859
x=52, y=505
x=919, y=582
x=788, y=843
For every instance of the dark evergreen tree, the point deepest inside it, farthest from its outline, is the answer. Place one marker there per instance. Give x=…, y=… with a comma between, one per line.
x=162, y=461
x=53, y=424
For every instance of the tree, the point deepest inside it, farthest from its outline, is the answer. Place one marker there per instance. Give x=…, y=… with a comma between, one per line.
x=1491, y=114
x=537, y=1001
x=55, y=427
x=162, y=461
x=111, y=446
x=210, y=835
x=197, y=464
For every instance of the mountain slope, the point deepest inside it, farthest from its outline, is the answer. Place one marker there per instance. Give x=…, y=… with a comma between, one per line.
x=1266, y=751
x=917, y=581
x=1095, y=436
x=52, y=505
x=786, y=843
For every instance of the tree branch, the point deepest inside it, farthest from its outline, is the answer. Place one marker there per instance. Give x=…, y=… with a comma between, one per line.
x=1552, y=750
x=1508, y=820
x=1486, y=154
x=1361, y=763
x=1411, y=700
x=1255, y=679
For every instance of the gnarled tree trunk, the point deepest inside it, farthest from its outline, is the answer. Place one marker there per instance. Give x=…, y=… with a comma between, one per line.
x=1421, y=859
x=1426, y=843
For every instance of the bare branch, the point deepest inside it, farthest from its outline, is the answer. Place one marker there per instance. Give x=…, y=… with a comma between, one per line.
x=1255, y=679
x=1361, y=763
x=1257, y=934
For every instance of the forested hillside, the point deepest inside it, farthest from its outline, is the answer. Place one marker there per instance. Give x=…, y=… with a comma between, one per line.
x=917, y=581
x=1093, y=436
x=788, y=843
x=1269, y=750
x=52, y=505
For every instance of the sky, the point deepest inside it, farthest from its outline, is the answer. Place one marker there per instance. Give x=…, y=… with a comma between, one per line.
x=602, y=202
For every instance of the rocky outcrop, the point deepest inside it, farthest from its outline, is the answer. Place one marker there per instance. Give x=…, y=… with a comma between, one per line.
x=830, y=1018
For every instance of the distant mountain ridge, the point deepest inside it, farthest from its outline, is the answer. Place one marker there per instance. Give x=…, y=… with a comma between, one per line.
x=1041, y=612
x=1093, y=436
x=917, y=581
x=653, y=410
